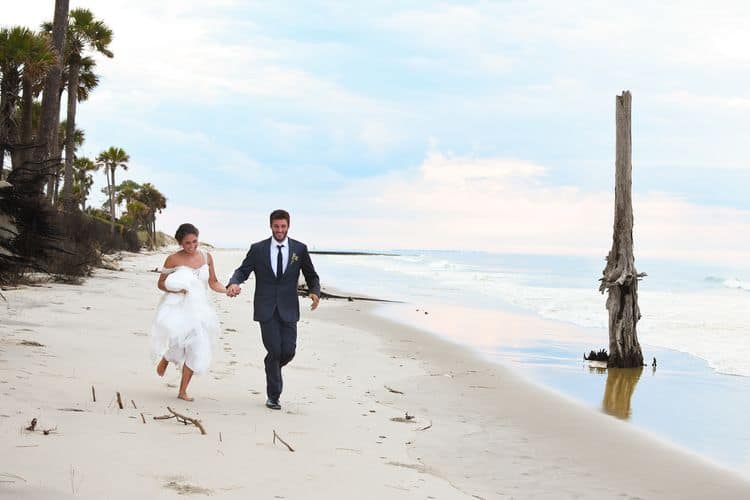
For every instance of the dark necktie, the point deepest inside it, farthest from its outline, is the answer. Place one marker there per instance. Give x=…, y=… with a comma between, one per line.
x=279, y=263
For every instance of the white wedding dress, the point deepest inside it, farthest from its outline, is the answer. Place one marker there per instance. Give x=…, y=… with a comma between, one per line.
x=185, y=327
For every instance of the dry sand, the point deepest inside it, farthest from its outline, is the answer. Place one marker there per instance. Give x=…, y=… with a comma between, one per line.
x=479, y=430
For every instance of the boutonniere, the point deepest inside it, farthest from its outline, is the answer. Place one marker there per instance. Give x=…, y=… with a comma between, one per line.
x=294, y=257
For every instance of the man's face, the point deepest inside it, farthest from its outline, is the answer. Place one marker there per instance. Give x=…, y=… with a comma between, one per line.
x=279, y=228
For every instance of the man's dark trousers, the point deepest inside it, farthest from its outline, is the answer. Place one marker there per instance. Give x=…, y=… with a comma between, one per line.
x=276, y=303
x=280, y=340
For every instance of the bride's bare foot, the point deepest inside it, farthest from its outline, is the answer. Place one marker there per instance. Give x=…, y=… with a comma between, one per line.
x=161, y=368
x=183, y=396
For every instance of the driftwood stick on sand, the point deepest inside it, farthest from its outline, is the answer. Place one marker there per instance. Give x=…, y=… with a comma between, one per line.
x=276, y=436
x=395, y=391
x=93, y=393
x=133, y=402
x=187, y=420
x=119, y=401
x=426, y=427
x=143, y=418
x=10, y=476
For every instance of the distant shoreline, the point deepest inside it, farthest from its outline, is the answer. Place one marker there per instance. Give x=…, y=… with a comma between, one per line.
x=333, y=252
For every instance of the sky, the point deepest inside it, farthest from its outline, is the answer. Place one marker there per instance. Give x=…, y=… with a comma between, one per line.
x=430, y=125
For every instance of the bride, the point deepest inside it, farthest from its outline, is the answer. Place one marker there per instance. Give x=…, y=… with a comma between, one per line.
x=185, y=324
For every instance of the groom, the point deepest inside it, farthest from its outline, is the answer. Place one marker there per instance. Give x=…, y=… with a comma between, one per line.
x=277, y=263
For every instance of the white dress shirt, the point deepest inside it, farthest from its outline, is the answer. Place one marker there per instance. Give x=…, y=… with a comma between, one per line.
x=284, y=253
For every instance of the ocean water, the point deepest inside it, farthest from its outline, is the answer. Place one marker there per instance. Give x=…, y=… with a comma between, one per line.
x=696, y=323
x=692, y=308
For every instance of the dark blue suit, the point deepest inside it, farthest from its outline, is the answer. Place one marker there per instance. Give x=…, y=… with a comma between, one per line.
x=276, y=303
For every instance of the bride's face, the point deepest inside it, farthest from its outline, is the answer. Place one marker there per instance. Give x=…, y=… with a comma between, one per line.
x=189, y=243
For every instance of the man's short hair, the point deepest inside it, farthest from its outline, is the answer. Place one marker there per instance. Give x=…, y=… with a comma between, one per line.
x=278, y=215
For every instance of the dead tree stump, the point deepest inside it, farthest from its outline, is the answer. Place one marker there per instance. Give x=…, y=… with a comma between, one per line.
x=620, y=277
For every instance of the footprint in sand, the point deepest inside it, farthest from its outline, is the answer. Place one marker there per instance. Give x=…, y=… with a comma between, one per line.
x=182, y=488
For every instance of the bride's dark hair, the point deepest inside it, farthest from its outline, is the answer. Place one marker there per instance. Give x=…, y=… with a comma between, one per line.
x=184, y=230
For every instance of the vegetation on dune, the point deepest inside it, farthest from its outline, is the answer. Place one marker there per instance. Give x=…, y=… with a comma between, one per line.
x=47, y=223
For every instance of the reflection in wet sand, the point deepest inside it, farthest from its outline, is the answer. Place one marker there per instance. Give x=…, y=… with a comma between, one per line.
x=619, y=391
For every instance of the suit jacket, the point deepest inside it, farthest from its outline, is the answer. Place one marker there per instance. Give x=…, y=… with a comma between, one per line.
x=272, y=293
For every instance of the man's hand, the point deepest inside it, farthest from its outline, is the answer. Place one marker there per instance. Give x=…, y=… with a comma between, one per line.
x=315, y=301
x=233, y=290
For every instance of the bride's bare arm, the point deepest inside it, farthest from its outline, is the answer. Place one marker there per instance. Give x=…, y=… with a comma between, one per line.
x=212, y=281
x=163, y=276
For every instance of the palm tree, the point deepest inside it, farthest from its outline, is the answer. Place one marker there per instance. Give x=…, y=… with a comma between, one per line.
x=84, y=32
x=156, y=202
x=38, y=58
x=87, y=79
x=126, y=192
x=53, y=186
x=110, y=160
x=46, y=136
x=13, y=42
x=84, y=180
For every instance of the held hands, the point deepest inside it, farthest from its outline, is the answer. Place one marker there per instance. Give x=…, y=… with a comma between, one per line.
x=315, y=301
x=233, y=290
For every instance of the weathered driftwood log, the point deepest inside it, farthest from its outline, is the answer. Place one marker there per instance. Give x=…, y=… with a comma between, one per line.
x=303, y=291
x=620, y=277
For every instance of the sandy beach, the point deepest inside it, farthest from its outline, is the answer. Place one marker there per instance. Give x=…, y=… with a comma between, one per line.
x=478, y=429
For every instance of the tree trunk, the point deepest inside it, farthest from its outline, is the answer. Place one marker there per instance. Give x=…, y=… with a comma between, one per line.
x=70, y=127
x=3, y=97
x=112, y=199
x=27, y=126
x=50, y=119
x=106, y=174
x=55, y=186
x=11, y=83
x=620, y=277
x=51, y=189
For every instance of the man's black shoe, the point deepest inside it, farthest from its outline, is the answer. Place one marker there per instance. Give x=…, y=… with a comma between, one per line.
x=274, y=405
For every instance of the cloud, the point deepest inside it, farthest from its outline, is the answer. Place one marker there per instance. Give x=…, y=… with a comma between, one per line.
x=500, y=204
x=451, y=170
x=243, y=106
x=707, y=102
x=487, y=204
x=671, y=32
x=213, y=58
